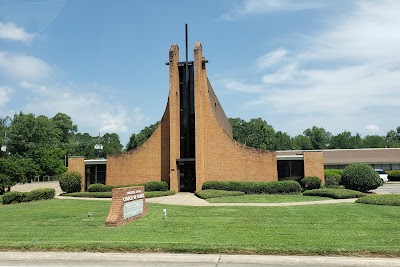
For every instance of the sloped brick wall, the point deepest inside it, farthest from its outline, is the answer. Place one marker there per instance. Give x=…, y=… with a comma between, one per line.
x=218, y=156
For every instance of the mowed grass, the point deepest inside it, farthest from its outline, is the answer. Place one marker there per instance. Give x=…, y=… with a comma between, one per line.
x=339, y=229
x=264, y=198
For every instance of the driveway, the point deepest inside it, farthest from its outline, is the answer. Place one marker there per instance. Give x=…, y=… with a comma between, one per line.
x=388, y=188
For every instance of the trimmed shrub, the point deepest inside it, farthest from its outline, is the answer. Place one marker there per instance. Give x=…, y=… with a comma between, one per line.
x=275, y=187
x=332, y=177
x=155, y=186
x=16, y=197
x=100, y=188
x=388, y=200
x=43, y=193
x=149, y=186
x=360, y=177
x=70, y=182
x=394, y=175
x=210, y=193
x=310, y=182
x=38, y=194
x=334, y=193
x=109, y=194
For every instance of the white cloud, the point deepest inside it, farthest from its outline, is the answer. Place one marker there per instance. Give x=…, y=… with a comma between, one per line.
x=5, y=95
x=251, y=7
x=242, y=87
x=11, y=31
x=345, y=74
x=35, y=88
x=23, y=67
x=372, y=128
x=114, y=123
x=271, y=58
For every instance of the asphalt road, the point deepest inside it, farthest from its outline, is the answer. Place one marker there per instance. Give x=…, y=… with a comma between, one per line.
x=388, y=188
x=85, y=259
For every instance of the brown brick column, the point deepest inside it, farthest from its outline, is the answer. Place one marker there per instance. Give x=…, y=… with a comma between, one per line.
x=200, y=82
x=77, y=164
x=314, y=164
x=174, y=117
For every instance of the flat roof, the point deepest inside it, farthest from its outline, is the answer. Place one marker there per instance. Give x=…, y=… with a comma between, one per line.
x=95, y=161
x=347, y=156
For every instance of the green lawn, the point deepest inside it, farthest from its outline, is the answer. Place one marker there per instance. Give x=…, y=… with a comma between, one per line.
x=339, y=229
x=264, y=198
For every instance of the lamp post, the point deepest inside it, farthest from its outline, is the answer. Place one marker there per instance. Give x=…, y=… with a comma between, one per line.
x=98, y=146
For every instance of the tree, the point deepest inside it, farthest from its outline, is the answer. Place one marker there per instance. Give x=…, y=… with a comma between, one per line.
x=319, y=137
x=302, y=142
x=393, y=138
x=111, y=143
x=137, y=140
x=283, y=141
x=345, y=140
x=65, y=130
x=15, y=169
x=262, y=135
x=373, y=141
x=240, y=129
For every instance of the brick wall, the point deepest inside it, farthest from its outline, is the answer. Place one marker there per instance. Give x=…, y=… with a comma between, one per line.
x=314, y=164
x=218, y=156
x=77, y=164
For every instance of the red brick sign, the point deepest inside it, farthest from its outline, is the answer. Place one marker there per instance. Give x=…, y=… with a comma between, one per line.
x=127, y=204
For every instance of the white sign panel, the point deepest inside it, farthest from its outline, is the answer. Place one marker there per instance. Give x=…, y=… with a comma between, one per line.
x=133, y=208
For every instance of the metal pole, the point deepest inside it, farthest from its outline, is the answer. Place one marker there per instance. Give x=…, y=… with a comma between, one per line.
x=187, y=66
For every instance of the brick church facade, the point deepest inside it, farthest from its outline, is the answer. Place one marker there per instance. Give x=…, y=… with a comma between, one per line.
x=193, y=143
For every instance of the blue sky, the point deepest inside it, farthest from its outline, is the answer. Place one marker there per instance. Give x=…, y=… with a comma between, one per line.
x=296, y=64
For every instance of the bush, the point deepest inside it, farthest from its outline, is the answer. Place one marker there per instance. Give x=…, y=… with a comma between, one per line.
x=100, y=188
x=155, y=186
x=334, y=193
x=360, y=177
x=388, y=200
x=109, y=194
x=16, y=197
x=210, y=193
x=394, y=175
x=70, y=182
x=38, y=194
x=149, y=186
x=43, y=193
x=310, y=182
x=332, y=177
x=275, y=187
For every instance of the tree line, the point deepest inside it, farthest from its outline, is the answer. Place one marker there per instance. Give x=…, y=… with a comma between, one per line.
x=39, y=146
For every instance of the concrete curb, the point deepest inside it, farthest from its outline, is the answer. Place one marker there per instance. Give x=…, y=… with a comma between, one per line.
x=119, y=258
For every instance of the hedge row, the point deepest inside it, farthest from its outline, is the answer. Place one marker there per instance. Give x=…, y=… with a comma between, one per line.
x=275, y=187
x=389, y=200
x=148, y=187
x=334, y=193
x=310, y=182
x=394, y=175
x=109, y=194
x=210, y=193
x=333, y=177
x=38, y=194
